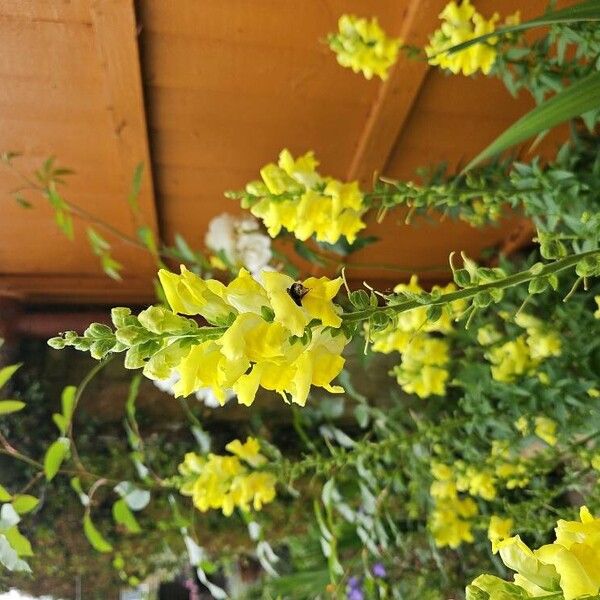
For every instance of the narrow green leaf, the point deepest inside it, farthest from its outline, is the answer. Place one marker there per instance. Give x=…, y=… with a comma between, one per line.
x=55, y=455
x=578, y=98
x=10, y=406
x=7, y=372
x=94, y=536
x=25, y=503
x=60, y=422
x=136, y=185
x=585, y=11
x=67, y=400
x=123, y=516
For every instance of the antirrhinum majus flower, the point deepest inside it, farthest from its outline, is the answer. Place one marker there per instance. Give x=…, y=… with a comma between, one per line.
x=271, y=339
x=568, y=568
x=363, y=46
x=293, y=196
x=228, y=482
x=461, y=23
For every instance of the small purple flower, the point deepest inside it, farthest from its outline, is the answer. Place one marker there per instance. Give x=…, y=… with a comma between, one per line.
x=379, y=570
x=354, y=582
x=355, y=594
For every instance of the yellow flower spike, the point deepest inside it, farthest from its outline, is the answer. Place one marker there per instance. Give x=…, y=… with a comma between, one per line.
x=545, y=429
x=189, y=294
x=223, y=482
x=498, y=530
x=305, y=203
x=597, y=312
x=248, y=451
x=461, y=23
x=362, y=45
x=318, y=300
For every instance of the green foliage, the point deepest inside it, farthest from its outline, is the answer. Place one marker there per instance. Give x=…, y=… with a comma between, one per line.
x=579, y=98
x=94, y=537
x=55, y=455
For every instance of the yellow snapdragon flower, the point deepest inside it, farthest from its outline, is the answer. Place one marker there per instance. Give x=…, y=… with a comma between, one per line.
x=571, y=564
x=363, y=46
x=224, y=482
x=450, y=522
x=266, y=341
x=597, y=312
x=422, y=371
x=510, y=360
x=461, y=23
x=292, y=195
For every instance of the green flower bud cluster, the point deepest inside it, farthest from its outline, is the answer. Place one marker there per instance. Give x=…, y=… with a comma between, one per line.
x=472, y=275
x=155, y=340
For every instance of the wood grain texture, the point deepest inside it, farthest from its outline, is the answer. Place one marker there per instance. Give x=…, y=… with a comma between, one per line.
x=205, y=93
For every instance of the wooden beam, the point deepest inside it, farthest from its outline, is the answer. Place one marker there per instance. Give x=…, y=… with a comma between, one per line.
x=396, y=95
x=116, y=33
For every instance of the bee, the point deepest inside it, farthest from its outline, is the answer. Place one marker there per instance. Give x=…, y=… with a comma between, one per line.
x=297, y=291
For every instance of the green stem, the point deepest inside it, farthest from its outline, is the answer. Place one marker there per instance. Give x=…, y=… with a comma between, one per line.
x=466, y=293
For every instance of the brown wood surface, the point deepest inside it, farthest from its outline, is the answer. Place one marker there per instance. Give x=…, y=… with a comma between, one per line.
x=205, y=93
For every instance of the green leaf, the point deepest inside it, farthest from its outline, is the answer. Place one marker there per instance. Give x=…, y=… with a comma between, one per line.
x=578, y=98
x=4, y=495
x=7, y=372
x=94, y=536
x=61, y=423
x=25, y=503
x=136, y=185
x=123, y=516
x=67, y=400
x=55, y=455
x=584, y=11
x=18, y=541
x=10, y=406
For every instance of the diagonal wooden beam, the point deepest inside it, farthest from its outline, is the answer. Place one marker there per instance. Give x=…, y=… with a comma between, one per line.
x=116, y=35
x=397, y=95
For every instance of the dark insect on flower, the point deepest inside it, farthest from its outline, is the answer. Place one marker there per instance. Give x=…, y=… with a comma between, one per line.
x=297, y=291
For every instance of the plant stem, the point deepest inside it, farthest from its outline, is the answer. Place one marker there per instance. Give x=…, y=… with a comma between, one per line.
x=466, y=293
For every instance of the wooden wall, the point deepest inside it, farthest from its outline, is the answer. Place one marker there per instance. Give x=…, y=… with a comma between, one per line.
x=205, y=93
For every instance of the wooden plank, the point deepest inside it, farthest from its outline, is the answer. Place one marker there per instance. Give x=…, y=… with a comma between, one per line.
x=116, y=38
x=397, y=95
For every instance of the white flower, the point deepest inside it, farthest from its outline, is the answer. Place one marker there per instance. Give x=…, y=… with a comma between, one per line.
x=205, y=395
x=240, y=240
x=221, y=235
x=254, y=251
